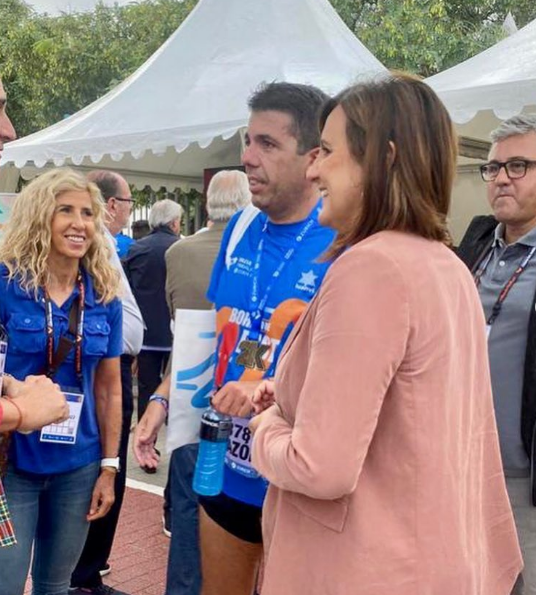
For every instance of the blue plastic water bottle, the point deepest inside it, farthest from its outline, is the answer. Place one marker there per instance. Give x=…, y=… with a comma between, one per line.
x=214, y=436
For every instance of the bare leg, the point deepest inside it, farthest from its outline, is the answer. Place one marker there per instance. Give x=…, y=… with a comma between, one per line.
x=229, y=564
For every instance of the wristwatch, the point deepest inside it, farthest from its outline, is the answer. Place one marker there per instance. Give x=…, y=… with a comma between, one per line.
x=112, y=463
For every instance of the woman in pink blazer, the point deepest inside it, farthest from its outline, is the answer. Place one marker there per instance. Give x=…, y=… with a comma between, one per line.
x=381, y=449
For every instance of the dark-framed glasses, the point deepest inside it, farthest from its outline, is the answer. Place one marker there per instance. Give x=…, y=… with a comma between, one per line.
x=514, y=168
x=130, y=200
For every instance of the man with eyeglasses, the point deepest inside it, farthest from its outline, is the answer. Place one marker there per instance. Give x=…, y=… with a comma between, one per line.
x=93, y=564
x=501, y=253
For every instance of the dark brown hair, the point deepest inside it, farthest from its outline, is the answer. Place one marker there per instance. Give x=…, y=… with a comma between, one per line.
x=408, y=189
x=301, y=102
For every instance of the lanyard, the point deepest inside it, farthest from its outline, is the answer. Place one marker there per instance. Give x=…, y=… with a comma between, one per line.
x=496, y=310
x=257, y=306
x=52, y=358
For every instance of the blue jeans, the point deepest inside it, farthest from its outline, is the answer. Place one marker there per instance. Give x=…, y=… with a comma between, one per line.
x=49, y=512
x=184, y=562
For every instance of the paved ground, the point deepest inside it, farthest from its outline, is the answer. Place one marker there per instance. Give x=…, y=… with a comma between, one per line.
x=139, y=555
x=140, y=552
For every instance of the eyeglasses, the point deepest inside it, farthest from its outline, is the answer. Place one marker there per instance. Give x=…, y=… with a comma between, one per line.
x=514, y=168
x=131, y=200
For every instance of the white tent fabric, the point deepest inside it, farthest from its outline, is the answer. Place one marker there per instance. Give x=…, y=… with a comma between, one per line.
x=501, y=79
x=159, y=126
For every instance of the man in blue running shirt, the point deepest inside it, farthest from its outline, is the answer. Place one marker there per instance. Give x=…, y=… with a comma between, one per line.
x=259, y=293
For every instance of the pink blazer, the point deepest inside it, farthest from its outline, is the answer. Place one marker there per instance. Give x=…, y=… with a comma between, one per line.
x=384, y=467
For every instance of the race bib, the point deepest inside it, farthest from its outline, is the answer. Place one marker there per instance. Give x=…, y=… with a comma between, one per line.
x=65, y=432
x=238, y=456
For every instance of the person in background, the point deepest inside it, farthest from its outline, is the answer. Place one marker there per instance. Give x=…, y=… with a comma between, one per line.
x=140, y=229
x=93, y=563
x=189, y=264
x=500, y=249
x=59, y=305
x=381, y=447
x=123, y=243
x=145, y=268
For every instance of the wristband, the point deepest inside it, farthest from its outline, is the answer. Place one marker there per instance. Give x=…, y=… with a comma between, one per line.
x=162, y=400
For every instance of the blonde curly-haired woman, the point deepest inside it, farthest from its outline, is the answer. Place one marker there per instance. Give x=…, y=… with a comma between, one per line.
x=59, y=303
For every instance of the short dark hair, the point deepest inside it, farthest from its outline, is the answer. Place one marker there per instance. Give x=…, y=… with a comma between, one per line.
x=409, y=190
x=106, y=181
x=301, y=102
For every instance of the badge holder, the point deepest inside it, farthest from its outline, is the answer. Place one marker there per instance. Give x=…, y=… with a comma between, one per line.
x=65, y=432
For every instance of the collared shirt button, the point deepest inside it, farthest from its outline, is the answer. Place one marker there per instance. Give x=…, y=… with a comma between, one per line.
x=501, y=263
x=27, y=320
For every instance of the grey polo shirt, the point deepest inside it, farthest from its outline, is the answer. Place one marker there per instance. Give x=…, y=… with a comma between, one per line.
x=508, y=340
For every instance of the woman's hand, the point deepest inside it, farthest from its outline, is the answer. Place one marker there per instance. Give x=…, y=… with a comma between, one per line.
x=146, y=434
x=103, y=495
x=267, y=416
x=263, y=396
x=40, y=401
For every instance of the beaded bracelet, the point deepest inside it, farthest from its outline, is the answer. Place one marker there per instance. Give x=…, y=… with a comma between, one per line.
x=162, y=400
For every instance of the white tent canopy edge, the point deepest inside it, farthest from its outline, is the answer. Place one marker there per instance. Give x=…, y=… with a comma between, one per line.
x=180, y=111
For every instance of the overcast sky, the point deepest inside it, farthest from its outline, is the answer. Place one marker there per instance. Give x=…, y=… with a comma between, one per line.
x=56, y=6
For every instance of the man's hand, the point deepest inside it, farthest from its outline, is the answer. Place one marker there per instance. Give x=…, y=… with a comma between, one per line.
x=263, y=396
x=40, y=401
x=103, y=495
x=234, y=398
x=146, y=434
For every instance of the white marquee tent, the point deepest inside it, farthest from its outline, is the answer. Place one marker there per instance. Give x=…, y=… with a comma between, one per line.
x=183, y=109
x=500, y=82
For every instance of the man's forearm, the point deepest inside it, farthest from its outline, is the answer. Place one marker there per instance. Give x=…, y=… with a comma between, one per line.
x=164, y=387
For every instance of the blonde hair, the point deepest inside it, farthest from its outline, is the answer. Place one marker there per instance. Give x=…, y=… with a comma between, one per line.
x=26, y=238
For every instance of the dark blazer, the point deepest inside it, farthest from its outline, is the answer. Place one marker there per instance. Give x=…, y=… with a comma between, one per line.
x=145, y=267
x=474, y=245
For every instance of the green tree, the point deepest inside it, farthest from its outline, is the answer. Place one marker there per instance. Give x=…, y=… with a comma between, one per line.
x=427, y=36
x=54, y=66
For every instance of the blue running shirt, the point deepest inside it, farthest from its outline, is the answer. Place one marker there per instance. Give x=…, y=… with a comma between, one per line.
x=231, y=289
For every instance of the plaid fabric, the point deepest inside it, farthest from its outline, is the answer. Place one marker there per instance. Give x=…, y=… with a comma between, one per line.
x=7, y=536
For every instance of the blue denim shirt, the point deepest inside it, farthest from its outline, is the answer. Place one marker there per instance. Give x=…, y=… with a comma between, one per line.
x=24, y=319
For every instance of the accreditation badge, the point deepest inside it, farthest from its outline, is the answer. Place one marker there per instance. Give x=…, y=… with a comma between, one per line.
x=65, y=432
